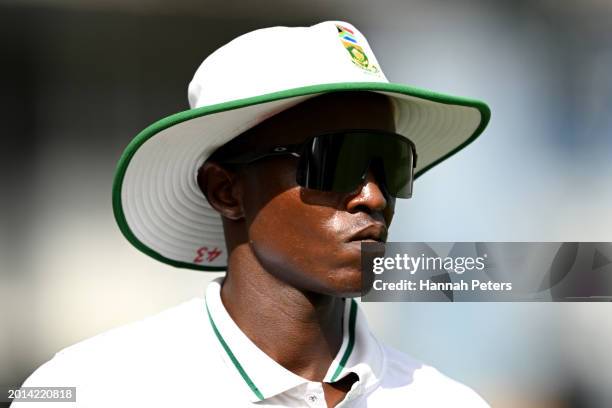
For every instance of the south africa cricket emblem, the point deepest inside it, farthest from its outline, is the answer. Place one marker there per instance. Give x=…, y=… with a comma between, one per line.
x=358, y=55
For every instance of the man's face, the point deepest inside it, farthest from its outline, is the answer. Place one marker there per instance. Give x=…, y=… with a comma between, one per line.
x=308, y=238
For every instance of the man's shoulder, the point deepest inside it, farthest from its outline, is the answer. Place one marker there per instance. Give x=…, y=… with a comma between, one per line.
x=407, y=378
x=171, y=338
x=161, y=330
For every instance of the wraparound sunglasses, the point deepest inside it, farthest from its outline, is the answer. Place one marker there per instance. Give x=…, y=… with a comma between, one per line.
x=338, y=161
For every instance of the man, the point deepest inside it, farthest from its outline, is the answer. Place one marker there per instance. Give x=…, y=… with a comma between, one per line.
x=277, y=175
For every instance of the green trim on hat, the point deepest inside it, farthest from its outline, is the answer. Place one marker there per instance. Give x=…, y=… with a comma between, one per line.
x=180, y=117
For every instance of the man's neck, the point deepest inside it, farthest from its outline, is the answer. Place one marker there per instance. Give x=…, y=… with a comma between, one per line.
x=300, y=331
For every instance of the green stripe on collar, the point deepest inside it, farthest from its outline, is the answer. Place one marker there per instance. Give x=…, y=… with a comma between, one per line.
x=232, y=357
x=245, y=376
x=351, y=340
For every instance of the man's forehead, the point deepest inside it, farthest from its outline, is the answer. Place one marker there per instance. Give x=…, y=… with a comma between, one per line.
x=324, y=113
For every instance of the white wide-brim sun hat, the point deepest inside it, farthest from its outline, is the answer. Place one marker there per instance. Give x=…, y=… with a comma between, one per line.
x=156, y=199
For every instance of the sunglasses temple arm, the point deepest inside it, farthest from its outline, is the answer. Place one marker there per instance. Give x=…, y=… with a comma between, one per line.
x=251, y=157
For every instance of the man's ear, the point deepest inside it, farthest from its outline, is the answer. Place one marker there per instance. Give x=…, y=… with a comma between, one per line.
x=220, y=187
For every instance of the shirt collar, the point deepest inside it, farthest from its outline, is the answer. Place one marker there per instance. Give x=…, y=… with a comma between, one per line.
x=359, y=353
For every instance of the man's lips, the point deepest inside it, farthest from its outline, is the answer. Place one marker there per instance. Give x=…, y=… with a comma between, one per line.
x=375, y=232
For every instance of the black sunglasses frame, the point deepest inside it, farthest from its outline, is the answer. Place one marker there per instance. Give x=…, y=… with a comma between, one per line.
x=298, y=149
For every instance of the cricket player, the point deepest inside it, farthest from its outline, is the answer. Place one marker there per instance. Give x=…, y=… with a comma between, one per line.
x=294, y=152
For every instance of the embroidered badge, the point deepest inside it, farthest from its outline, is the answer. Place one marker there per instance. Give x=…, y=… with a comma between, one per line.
x=358, y=55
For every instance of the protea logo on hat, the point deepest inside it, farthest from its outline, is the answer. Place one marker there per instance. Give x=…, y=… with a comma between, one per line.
x=347, y=36
x=156, y=199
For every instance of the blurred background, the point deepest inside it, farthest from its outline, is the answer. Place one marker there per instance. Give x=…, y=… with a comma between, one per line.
x=80, y=78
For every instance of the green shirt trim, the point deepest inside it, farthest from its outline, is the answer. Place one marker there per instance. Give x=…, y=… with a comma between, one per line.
x=245, y=376
x=351, y=341
x=232, y=357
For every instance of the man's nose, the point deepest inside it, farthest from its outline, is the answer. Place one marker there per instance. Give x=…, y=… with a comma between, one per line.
x=370, y=195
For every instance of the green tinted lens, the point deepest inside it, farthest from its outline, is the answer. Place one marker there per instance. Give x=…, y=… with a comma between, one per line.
x=338, y=161
x=331, y=163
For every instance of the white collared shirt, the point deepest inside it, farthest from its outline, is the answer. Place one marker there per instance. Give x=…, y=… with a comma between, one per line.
x=194, y=355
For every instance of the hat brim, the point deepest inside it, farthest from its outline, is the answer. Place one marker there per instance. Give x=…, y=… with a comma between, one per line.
x=156, y=200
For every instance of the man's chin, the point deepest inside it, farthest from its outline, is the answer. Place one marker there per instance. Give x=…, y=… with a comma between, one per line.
x=344, y=282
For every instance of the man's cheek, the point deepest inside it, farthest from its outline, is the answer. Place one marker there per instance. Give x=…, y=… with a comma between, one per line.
x=333, y=225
